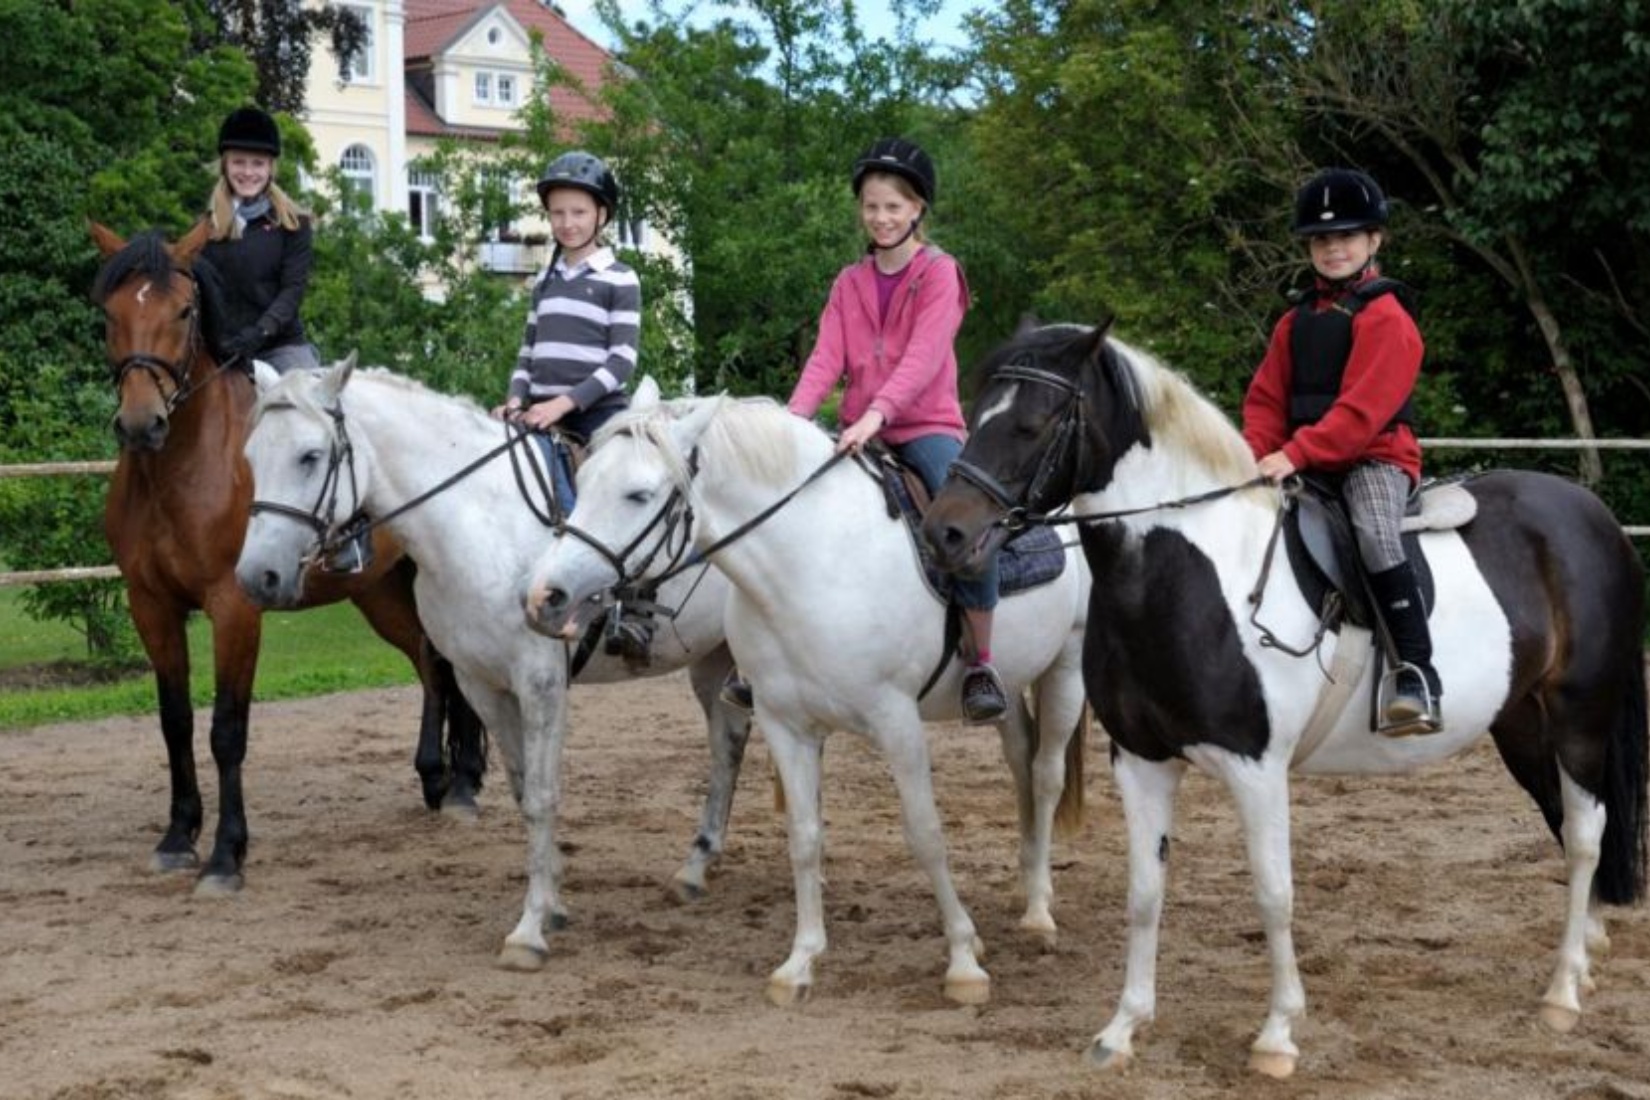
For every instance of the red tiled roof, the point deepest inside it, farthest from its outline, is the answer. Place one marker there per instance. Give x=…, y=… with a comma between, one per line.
x=432, y=25
x=424, y=122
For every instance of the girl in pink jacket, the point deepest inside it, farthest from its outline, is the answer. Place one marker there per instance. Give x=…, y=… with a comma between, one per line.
x=888, y=329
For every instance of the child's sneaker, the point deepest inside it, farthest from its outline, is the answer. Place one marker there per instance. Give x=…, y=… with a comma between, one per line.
x=983, y=698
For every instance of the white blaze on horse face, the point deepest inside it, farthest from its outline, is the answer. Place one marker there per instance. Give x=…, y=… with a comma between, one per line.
x=997, y=407
x=143, y=292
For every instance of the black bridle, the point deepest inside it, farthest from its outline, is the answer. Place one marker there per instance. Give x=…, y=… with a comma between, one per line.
x=1069, y=433
x=331, y=537
x=179, y=372
x=1069, y=429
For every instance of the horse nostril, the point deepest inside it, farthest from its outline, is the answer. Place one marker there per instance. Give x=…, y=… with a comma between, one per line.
x=556, y=599
x=271, y=580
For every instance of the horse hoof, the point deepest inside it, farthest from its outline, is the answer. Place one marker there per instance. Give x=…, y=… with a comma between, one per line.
x=1272, y=1063
x=968, y=991
x=218, y=886
x=788, y=995
x=458, y=808
x=521, y=958
x=1112, y=1061
x=1559, y=1019
x=168, y=862
x=687, y=890
x=1044, y=934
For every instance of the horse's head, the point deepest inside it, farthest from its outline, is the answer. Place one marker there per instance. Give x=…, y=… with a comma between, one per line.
x=152, y=309
x=631, y=521
x=309, y=480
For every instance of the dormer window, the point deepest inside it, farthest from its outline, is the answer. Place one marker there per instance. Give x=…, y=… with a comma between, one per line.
x=493, y=89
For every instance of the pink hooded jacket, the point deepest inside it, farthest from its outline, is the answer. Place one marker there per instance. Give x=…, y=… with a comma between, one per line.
x=904, y=367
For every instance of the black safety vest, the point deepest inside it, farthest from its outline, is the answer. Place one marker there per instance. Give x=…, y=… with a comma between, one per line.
x=1320, y=342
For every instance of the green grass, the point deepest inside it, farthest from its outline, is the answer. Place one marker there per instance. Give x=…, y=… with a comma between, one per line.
x=304, y=653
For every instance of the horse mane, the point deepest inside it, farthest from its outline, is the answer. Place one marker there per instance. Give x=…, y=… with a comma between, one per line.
x=145, y=254
x=750, y=437
x=1169, y=406
x=296, y=390
x=1177, y=414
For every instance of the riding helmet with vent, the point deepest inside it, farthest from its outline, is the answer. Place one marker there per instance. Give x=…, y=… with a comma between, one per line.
x=1337, y=200
x=901, y=158
x=249, y=130
x=585, y=172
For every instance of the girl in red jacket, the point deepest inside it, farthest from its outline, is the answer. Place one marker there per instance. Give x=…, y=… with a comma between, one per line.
x=887, y=332
x=1333, y=396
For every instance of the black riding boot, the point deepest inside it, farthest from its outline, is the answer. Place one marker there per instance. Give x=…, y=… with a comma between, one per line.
x=1416, y=688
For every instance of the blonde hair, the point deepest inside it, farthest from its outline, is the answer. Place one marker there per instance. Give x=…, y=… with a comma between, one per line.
x=906, y=188
x=287, y=214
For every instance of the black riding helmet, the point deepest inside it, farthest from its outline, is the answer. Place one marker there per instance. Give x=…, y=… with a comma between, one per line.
x=250, y=130
x=901, y=158
x=1337, y=200
x=585, y=172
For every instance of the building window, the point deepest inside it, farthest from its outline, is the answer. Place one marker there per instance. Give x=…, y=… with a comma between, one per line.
x=484, y=87
x=423, y=201
x=506, y=90
x=361, y=69
x=357, y=167
x=631, y=233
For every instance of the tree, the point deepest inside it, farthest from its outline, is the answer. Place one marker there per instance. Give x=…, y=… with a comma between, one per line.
x=278, y=37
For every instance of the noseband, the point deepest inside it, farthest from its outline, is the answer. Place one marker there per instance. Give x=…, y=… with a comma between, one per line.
x=1068, y=434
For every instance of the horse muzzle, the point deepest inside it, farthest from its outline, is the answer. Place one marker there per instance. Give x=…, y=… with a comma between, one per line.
x=140, y=432
x=553, y=612
x=268, y=587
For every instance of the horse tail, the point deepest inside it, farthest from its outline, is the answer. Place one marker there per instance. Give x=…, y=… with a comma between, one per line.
x=1620, y=876
x=1070, y=810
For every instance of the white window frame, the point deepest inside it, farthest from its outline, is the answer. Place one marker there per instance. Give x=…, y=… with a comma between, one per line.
x=426, y=187
x=362, y=174
x=363, y=68
x=482, y=88
x=505, y=85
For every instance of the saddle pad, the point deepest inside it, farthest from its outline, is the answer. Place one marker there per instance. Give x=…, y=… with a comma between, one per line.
x=1033, y=557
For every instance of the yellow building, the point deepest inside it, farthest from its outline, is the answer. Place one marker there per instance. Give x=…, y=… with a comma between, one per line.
x=436, y=69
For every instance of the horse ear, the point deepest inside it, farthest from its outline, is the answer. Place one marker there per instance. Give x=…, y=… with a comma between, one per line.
x=1097, y=337
x=185, y=251
x=107, y=240
x=336, y=377
x=264, y=375
x=647, y=394
x=695, y=416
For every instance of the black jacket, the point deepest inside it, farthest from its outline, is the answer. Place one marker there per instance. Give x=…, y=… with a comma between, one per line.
x=264, y=276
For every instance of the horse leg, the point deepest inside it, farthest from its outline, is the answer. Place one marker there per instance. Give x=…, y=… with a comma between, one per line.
x=236, y=631
x=1148, y=790
x=1583, y=833
x=160, y=626
x=543, y=709
x=1054, y=795
x=728, y=730
x=796, y=757
x=466, y=744
x=1262, y=796
x=906, y=747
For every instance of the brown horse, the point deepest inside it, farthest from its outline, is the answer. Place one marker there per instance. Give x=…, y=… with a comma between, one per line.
x=176, y=514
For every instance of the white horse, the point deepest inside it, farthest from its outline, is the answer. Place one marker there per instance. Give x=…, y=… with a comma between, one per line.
x=835, y=629
x=1537, y=632
x=325, y=445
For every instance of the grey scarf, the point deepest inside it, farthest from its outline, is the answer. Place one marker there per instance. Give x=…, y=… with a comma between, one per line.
x=250, y=211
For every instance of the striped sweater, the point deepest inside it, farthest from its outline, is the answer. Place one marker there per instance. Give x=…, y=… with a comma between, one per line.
x=582, y=332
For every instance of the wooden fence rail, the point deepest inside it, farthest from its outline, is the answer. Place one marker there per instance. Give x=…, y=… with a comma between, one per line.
x=92, y=572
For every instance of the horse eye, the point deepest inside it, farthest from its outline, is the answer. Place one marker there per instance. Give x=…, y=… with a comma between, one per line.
x=187, y=312
x=639, y=496
x=310, y=459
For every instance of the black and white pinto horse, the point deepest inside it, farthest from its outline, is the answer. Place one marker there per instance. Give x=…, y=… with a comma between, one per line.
x=1537, y=634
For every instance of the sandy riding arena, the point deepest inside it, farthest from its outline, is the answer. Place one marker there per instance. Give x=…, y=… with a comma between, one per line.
x=357, y=963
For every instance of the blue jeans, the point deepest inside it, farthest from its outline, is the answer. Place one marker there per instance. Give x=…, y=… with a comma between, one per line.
x=560, y=461
x=931, y=456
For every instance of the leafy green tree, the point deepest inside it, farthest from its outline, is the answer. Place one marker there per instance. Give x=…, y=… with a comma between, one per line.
x=278, y=37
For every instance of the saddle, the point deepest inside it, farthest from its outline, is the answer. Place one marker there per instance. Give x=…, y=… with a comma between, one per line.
x=1323, y=550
